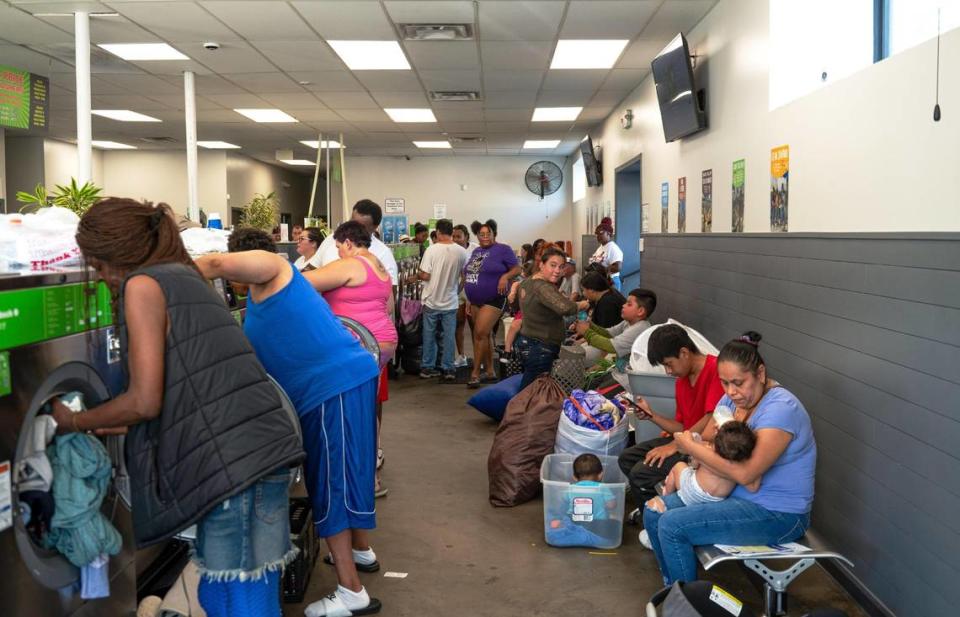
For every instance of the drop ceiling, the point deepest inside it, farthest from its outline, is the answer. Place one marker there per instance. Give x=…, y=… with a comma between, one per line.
x=274, y=53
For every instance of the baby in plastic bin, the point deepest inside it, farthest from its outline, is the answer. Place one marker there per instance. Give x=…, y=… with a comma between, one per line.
x=697, y=483
x=593, y=504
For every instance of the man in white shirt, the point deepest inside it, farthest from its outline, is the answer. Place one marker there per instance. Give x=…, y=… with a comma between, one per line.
x=440, y=267
x=368, y=214
x=570, y=284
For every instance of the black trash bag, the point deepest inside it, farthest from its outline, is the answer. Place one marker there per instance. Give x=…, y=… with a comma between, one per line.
x=697, y=599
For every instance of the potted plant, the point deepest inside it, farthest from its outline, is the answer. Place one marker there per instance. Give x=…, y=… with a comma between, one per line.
x=36, y=200
x=74, y=197
x=263, y=212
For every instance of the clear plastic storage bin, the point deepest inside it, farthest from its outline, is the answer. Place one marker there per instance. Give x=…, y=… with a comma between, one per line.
x=575, y=515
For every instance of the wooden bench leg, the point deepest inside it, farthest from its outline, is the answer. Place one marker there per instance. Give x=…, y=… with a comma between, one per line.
x=775, y=583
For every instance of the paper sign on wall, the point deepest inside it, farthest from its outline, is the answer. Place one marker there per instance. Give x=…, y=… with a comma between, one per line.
x=682, y=205
x=739, y=186
x=664, y=205
x=394, y=205
x=706, y=196
x=439, y=211
x=779, y=187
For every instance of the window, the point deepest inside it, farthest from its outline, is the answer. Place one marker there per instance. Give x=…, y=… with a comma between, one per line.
x=911, y=22
x=579, y=180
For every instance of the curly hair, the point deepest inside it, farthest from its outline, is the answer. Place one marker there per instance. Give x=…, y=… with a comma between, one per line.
x=250, y=239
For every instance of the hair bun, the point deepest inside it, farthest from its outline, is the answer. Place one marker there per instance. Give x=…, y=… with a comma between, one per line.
x=751, y=337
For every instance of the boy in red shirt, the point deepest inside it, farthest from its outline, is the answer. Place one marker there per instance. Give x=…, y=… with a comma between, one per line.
x=697, y=392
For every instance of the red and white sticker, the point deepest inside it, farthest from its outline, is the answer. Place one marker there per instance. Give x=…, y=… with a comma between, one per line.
x=582, y=509
x=6, y=502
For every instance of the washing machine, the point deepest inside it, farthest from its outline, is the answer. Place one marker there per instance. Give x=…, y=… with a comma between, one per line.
x=56, y=336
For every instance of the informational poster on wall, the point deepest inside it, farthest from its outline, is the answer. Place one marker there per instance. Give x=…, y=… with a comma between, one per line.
x=394, y=205
x=739, y=186
x=779, y=187
x=682, y=205
x=393, y=227
x=439, y=211
x=664, y=207
x=24, y=99
x=706, y=201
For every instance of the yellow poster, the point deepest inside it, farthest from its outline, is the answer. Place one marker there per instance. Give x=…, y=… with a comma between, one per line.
x=779, y=187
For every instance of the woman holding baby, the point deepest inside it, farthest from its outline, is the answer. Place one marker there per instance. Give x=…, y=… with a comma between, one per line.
x=772, y=488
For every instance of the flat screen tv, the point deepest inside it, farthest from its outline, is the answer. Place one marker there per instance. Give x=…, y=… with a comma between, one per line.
x=681, y=108
x=591, y=167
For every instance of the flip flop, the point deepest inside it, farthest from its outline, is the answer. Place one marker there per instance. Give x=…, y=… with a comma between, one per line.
x=474, y=383
x=361, y=567
x=333, y=606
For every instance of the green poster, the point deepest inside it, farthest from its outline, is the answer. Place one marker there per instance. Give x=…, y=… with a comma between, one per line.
x=24, y=99
x=739, y=173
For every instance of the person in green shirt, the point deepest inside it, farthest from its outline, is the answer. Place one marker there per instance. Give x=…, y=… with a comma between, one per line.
x=618, y=339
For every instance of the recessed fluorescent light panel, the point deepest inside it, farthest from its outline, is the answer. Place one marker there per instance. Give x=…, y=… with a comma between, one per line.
x=301, y=162
x=143, y=51
x=577, y=54
x=411, y=115
x=371, y=55
x=332, y=143
x=556, y=114
x=217, y=145
x=123, y=115
x=266, y=115
x=111, y=145
x=541, y=144
x=432, y=144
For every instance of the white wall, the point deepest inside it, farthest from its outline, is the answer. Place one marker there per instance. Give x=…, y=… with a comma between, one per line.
x=494, y=189
x=865, y=154
x=60, y=163
x=246, y=177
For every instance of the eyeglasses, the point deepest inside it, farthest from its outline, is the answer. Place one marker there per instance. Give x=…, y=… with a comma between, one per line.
x=484, y=235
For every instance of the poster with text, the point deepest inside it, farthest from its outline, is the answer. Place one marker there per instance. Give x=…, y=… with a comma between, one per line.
x=682, y=205
x=706, y=206
x=779, y=187
x=394, y=205
x=664, y=207
x=739, y=176
x=24, y=99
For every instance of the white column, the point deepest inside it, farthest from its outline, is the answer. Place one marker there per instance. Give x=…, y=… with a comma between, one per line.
x=329, y=221
x=84, y=130
x=190, y=109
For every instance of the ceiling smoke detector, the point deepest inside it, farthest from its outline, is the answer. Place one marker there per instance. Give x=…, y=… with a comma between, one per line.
x=454, y=95
x=436, y=32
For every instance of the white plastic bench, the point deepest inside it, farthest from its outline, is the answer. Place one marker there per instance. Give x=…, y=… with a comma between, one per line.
x=775, y=582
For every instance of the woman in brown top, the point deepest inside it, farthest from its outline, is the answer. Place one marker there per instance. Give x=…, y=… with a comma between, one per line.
x=543, y=308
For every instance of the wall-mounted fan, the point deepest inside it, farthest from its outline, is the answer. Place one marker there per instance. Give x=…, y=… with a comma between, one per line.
x=543, y=178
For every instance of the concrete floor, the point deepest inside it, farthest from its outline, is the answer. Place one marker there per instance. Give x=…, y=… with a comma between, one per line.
x=464, y=557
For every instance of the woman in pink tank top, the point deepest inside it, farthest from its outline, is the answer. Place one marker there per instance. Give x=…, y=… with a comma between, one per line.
x=359, y=287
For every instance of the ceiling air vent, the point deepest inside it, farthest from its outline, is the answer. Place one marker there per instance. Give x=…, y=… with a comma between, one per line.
x=437, y=32
x=467, y=139
x=454, y=95
x=158, y=140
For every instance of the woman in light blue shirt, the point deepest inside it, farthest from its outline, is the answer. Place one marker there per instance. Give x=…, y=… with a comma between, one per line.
x=783, y=462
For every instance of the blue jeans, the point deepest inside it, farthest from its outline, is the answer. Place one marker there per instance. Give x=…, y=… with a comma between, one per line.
x=536, y=357
x=448, y=328
x=674, y=533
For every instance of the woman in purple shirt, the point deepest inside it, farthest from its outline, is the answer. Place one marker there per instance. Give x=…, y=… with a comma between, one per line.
x=486, y=278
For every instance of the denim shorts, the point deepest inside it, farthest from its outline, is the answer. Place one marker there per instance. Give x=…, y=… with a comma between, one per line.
x=248, y=534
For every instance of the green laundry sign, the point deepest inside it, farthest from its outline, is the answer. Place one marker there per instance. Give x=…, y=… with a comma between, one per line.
x=24, y=99
x=32, y=315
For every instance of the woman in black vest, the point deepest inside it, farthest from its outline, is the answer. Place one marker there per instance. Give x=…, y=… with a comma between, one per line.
x=209, y=441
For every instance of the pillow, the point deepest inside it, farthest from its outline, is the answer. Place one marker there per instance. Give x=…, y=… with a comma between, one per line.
x=492, y=400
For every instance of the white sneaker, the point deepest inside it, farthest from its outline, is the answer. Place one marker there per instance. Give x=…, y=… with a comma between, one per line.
x=460, y=361
x=645, y=540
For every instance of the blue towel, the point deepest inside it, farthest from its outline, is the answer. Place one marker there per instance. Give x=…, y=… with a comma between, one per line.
x=81, y=475
x=573, y=535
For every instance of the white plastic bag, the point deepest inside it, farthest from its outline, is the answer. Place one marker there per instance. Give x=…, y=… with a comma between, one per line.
x=45, y=240
x=638, y=353
x=573, y=439
x=200, y=241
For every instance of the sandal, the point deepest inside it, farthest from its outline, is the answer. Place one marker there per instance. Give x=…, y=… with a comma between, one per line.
x=333, y=606
x=361, y=567
x=474, y=383
x=489, y=379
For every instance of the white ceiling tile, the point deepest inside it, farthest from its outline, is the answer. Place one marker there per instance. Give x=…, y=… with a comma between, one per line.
x=263, y=21
x=503, y=151
x=331, y=126
x=443, y=54
x=18, y=27
x=105, y=29
x=564, y=98
x=362, y=20
x=175, y=101
x=508, y=115
x=299, y=55
x=176, y=21
x=507, y=127
x=382, y=81
x=674, y=17
x=232, y=57
x=606, y=98
x=624, y=80
x=640, y=53
x=374, y=137
x=509, y=99
x=513, y=80
x=100, y=61
x=575, y=79
x=596, y=113
x=458, y=106
x=347, y=100
x=134, y=102
x=317, y=114
x=466, y=114
x=463, y=127
x=292, y=100
x=433, y=12
x=171, y=67
x=607, y=19
x=239, y=101
x=327, y=81
x=28, y=60
x=135, y=84
x=380, y=127
x=264, y=82
x=203, y=84
x=420, y=127
x=520, y=21
x=515, y=55
x=400, y=99
x=216, y=115
x=451, y=80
